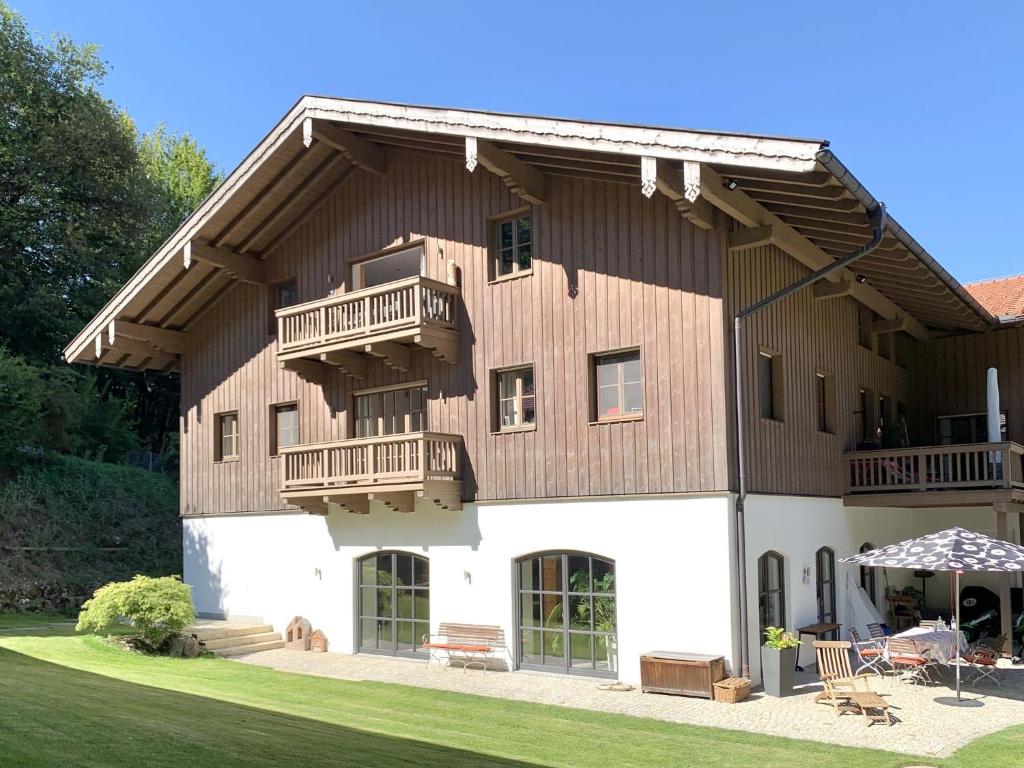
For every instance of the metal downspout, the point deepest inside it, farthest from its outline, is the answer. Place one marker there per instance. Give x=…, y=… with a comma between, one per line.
x=877, y=218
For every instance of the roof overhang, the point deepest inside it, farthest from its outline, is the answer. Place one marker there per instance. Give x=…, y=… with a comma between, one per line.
x=322, y=141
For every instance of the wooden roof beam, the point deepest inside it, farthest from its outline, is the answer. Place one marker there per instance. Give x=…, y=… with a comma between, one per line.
x=750, y=213
x=823, y=289
x=751, y=237
x=160, y=338
x=523, y=179
x=895, y=325
x=681, y=186
x=360, y=152
x=241, y=267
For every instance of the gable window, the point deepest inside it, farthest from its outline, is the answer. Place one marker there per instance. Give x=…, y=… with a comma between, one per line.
x=770, y=385
x=618, y=385
x=513, y=245
x=825, y=560
x=284, y=426
x=391, y=410
x=226, y=442
x=825, y=397
x=283, y=294
x=865, y=317
x=771, y=591
x=517, y=406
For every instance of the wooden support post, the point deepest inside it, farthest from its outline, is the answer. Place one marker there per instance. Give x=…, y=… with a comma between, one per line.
x=522, y=178
x=1005, y=604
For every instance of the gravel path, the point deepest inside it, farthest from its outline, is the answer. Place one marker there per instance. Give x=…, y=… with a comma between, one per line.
x=923, y=727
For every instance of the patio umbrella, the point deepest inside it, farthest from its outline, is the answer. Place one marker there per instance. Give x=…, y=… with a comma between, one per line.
x=955, y=549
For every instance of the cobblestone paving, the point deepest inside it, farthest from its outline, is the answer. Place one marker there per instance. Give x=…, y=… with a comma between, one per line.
x=923, y=726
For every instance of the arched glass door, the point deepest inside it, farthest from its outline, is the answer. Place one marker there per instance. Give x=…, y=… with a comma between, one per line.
x=825, y=586
x=566, y=613
x=394, y=603
x=867, y=574
x=771, y=591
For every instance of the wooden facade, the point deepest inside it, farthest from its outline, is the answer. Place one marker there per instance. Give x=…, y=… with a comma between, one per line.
x=612, y=270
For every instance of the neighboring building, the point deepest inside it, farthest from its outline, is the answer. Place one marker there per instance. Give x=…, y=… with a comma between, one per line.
x=443, y=365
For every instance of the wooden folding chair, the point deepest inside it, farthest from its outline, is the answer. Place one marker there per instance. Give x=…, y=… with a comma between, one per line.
x=907, y=662
x=845, y=691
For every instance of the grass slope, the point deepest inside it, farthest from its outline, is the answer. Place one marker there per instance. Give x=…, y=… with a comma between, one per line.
x=72, y=700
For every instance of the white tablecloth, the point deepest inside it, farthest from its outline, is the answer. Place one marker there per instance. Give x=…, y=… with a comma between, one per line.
x=940, y=643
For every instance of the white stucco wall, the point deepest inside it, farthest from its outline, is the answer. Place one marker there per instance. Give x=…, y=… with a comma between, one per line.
x=797, y=527
x=672, y=555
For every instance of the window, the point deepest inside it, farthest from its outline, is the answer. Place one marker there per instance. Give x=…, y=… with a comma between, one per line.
x=885, y=345
x=398, y=265
x=825, y=396
x=865, y=400
x=771, y=591
x=825, y=561
x=566, y=613
x=283, y=294
x=391, y=411
x=865, y=317
x=904, y=348
x=770, y=385
x=618, y=385
x=516, y=399
x=867, y=574
x=284, y=426
x=513, y=245
x=394, y=603
x=968, y=428
x=226, y=447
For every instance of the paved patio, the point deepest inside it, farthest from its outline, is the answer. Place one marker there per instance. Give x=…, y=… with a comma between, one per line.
x=923, y=727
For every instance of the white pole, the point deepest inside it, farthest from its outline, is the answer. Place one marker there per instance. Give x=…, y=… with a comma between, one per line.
x=956, y=635
x=992, y=410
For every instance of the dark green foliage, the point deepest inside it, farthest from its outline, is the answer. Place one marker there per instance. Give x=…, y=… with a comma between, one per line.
x=68, y=525
x=20, y=403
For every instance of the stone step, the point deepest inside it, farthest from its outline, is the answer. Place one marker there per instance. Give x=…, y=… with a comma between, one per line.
x=239, y=650
x=236, y=640
x=218, y=630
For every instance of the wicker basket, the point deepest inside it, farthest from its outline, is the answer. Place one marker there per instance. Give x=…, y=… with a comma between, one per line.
x=732, y=690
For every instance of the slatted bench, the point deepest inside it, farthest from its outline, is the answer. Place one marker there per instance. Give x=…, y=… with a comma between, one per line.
x=466, y=644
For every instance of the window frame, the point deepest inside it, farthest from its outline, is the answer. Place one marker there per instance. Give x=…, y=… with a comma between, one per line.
x=414, y=590
x=867, y=575
x=777, y=383
x=865, y=317
x=825, y=555
x=494, y=224
x=273, y=436
x=497, y=376
x=219, y=434
x=594, y=361
x=357, y=281
x=766, y=560
x=825, y=402
x=381, y=415
x=273, y=301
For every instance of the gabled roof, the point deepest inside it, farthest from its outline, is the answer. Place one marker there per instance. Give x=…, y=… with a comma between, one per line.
x=1001, y=296
x=322, y=141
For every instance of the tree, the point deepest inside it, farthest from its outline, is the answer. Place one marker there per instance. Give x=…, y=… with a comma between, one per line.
x=181, y=172
x=20, y=400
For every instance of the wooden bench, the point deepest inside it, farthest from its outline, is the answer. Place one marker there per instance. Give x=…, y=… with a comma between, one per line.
x=468, y=644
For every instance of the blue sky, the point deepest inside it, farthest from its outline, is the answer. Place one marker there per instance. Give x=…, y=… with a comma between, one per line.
x=923, y=101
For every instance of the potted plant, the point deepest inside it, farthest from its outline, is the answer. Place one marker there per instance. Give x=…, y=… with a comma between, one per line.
x=778, y=660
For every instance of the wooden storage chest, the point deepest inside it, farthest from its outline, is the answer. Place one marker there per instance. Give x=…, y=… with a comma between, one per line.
x=684, y=674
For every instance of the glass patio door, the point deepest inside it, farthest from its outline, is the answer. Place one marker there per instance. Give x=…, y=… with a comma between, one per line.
x=394, y=603
x=566, y=614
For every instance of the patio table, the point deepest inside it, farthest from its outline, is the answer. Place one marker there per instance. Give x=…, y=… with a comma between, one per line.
x=939, y=643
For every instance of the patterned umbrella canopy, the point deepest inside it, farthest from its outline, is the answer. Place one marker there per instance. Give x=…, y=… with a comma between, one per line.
x=954, y=549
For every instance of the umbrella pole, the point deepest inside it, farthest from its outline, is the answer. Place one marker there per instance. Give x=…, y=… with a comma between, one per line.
x=956, y=635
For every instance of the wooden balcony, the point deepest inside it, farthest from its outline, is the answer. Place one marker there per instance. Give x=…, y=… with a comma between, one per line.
x=978, y=474
x=395, y=469
x=386, y=321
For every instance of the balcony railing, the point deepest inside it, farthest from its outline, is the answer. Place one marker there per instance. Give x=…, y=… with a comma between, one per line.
x=381, y=311
x=936, y=468
x=363, y=464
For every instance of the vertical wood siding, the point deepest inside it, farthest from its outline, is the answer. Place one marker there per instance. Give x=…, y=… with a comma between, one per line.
x=791, y=456
x=611, y=270
x=950, y=377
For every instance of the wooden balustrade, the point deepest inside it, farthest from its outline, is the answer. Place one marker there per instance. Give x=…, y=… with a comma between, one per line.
x=368, y=462
x=360, y=315
x=936, y=468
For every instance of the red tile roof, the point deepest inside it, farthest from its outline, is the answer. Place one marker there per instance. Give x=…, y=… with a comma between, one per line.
x=1001, y=296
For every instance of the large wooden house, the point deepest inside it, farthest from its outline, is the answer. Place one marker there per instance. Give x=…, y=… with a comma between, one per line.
x=443, y=365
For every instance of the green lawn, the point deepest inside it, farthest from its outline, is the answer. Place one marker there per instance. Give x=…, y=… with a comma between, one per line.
x=74, y=700
x=13, y=620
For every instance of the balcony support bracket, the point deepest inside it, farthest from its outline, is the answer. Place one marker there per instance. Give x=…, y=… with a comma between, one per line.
x=397, y=502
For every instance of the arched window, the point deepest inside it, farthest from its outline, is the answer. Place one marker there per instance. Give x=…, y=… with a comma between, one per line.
x=565, y=618
x=825, y=562
x=867, y=574
x=771, y=591
x=394, y=603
